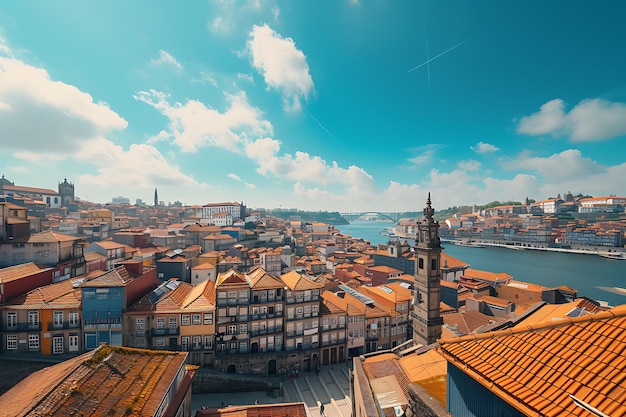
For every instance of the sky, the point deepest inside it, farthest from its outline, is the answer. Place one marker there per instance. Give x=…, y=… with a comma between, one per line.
x=338, y=105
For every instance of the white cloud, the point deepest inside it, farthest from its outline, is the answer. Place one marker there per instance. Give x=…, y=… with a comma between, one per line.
x=249, y=185
x=165, y=58
x=17, y=168
x=64, y=115
x=246, y=77
x=564, y=166
x=139, y=167
x=483, y=147
x=590, y=120
x=469, y=165
x=159, y=137
x=193, y=125
x=424, y=154
x=234, y=176
x=282, y=65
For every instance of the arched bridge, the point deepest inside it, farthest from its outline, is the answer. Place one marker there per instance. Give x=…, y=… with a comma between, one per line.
x=393, y=216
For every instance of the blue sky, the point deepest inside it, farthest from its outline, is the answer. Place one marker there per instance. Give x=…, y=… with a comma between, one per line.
x=317, y=105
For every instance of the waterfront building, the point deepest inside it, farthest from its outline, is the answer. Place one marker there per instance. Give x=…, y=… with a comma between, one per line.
x=426, y=315
x=605, y=204
x=107, y=381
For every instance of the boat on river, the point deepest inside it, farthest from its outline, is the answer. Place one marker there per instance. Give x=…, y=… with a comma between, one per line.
x=620, y=256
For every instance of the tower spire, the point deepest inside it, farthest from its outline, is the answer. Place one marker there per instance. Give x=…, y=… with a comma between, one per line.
x=156, y=197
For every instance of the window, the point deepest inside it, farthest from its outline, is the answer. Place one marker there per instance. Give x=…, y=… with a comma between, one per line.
x=173, y=323
x=184, y=341
x=57, y=345
x=208, y=318
x=421, y=263
x=33, y=319
x=73, y=318
x=232, y=329
x=208, y=342
x=185, y=320
x=140, y=342
x=243, y=328
x=140, y=326
x=57, y=319
x=11, y=341
x=160, y=323
x=160, y=342
x=11, y=319
x=33, y=341
x=197, y=342
x=196, y=319
x=102, y=293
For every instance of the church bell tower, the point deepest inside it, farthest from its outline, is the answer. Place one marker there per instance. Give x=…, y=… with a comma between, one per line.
x=426, y=315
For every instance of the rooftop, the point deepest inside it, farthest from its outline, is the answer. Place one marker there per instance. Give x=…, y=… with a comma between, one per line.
x=97, y=383
x=541, y=369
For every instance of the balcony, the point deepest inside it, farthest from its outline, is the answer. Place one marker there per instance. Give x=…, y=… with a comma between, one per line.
x=61, y=326
x=271, y=330
x=164, y=332
x=21, y=327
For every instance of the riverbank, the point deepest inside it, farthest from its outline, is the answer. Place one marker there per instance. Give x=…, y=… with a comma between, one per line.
x=610, y=253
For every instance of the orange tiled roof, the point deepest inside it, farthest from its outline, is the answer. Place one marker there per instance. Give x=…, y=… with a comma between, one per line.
x=450, y=262
x=13, y=273
x=51, y=237
x=485, y=275
x=538, y=369
x=300, y=282
x=108, y=386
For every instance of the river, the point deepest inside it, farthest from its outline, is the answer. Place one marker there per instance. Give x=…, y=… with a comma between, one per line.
x=592, y=275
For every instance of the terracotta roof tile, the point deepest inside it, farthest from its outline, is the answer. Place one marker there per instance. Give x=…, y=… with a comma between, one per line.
x=13, y=273
x=537, y=368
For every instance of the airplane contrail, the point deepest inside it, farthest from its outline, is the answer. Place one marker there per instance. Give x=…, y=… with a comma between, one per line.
x=322, y=126
x=443, y=53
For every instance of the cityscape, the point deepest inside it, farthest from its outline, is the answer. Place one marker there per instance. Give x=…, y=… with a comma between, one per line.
x=346, y=208
x=240, y=301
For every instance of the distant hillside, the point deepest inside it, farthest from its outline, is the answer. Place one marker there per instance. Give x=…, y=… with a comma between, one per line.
x=328, y=217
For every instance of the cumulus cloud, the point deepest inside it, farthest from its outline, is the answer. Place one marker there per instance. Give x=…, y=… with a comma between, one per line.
x=249, y=185
x=140, y=166
x=565, y=165
x=165, y=58
x=40, y=114
x=282, y=65
x=159, y=137
x=483, y=147
x=469, y=165
x=590, y=120
x=194, y=126
x=234, y=176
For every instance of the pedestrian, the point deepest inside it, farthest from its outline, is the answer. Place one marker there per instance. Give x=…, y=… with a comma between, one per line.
x=321, y=409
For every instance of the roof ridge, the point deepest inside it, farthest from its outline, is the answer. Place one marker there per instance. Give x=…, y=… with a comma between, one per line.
x=615, y=312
